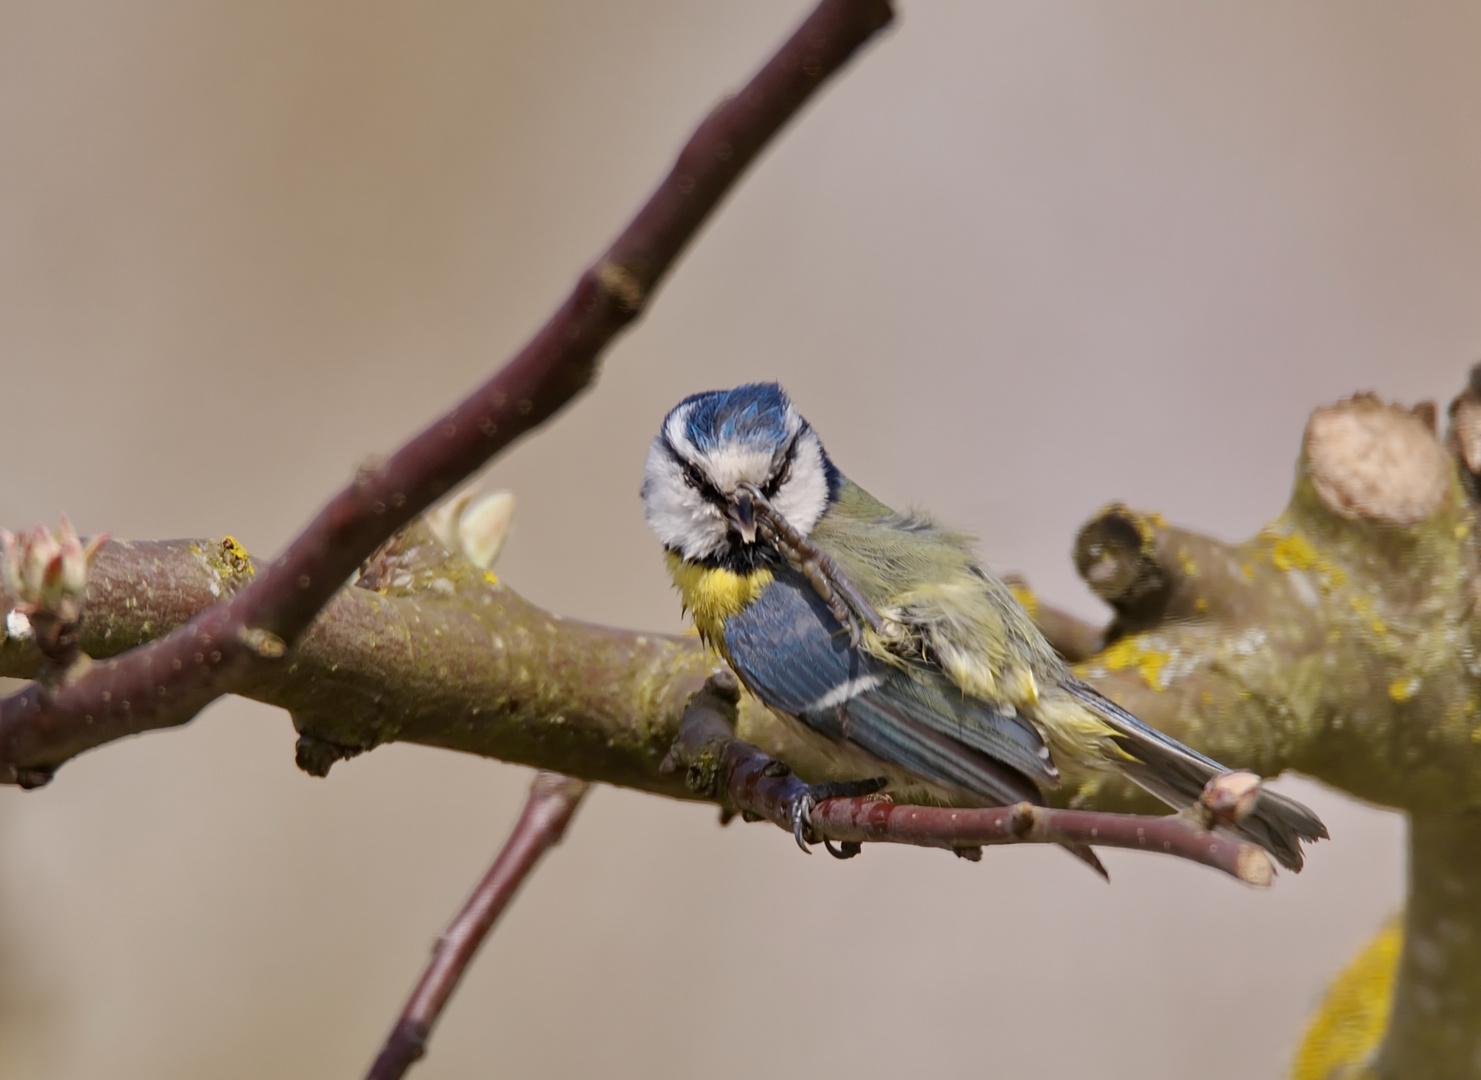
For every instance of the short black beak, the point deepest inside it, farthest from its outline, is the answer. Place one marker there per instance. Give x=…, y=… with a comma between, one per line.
x=743, y=515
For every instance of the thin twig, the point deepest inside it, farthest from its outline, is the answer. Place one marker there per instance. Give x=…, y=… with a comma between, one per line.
x=168, y=682
x=552, y=802
x=723, y=767
x=871, y=820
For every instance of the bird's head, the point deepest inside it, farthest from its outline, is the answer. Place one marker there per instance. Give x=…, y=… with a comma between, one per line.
x=720, y=452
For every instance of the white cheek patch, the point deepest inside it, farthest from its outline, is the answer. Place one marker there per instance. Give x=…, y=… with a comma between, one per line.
x=681, y=517
x=804, y=496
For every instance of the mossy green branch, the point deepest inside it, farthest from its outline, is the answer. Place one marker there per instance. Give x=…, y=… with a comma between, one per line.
x=1340, y=641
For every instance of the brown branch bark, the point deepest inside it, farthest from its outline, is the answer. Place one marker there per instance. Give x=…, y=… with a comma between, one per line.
x=225, y=647
x=542, y=824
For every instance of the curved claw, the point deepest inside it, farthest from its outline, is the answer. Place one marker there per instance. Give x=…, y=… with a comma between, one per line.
x=802, y=822
x=800, y=811
x=847, y=849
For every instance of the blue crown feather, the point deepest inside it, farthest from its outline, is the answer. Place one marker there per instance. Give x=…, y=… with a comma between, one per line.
x=755, y=413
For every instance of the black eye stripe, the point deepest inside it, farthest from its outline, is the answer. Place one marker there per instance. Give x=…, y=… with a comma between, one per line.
x=785, y=472
x=693, y=476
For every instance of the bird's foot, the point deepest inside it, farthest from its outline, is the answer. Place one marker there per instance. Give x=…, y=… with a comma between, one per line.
x=799, y=809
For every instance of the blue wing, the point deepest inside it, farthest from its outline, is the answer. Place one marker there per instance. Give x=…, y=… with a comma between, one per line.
x=792, y=653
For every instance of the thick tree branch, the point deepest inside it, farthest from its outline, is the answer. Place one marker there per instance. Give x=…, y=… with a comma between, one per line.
x=228, y=646
x=1339, y=645
x=542, y=824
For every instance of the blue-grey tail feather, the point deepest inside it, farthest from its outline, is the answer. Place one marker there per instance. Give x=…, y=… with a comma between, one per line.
x=1176, y=774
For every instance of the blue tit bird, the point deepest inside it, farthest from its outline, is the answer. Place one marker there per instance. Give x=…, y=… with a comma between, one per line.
x=879, y=637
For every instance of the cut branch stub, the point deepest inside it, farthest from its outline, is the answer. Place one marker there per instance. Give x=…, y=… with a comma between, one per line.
x=1116, y=554
x=1373, y=460
x=1151, y=573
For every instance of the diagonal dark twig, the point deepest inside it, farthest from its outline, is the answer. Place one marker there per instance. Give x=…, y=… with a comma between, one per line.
x=719, y=765
x=169, y=681
x=552, y=802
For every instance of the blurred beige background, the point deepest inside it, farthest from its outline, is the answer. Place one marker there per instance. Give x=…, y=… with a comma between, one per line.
x=1024, y=258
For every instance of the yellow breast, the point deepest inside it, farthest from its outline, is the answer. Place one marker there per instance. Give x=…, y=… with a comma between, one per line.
x=713, y=595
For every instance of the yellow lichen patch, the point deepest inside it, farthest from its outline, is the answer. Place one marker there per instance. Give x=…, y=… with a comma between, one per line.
x=1402, y=689
x=1157, y=519
x=1200, y=605
x=1025, y=596
x=1350, y=1021
x=1293, y=552
x=491, y=577
x=1130, y=652
x=1462, y=530
x=1248, y=571
x=236, y=555
x=1186, y=561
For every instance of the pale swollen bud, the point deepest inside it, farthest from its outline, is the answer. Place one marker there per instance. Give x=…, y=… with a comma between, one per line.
x=1230, y=797
x=484, y=526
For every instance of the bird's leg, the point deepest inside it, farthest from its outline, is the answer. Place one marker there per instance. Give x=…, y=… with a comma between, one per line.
x=817, y=577
x=832, y=584
x=718, y=765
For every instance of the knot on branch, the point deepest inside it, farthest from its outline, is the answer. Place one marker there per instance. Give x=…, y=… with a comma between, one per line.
x=622, y=285
x=706, y=732
x=317, y=756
